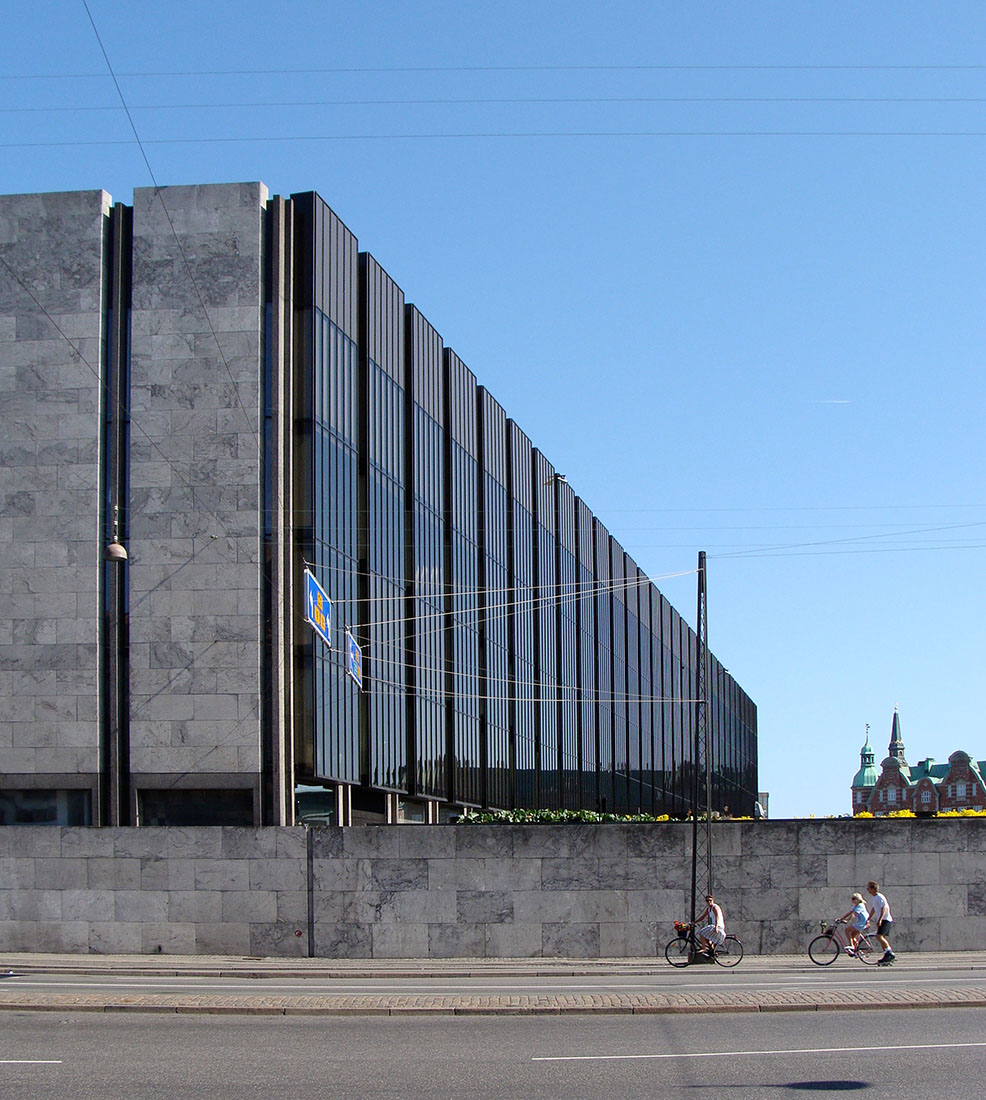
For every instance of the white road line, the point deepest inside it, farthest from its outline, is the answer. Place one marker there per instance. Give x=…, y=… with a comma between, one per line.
x=751, y=1053
x=30, y=1062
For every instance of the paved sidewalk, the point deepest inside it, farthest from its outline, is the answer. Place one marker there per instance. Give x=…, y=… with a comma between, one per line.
x=960, y=994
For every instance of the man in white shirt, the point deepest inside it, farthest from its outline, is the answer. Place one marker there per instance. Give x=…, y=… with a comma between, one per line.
x=882, y=921
x=711, y=925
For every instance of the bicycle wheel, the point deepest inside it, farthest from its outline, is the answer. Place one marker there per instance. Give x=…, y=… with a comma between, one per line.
x=678, y=952
x=823, y=950
x=729, y=952
x=866, y=953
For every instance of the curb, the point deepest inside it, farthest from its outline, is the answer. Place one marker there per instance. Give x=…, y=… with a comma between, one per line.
x=425, y=1005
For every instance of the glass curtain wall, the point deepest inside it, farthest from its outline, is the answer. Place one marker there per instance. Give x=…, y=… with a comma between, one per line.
x=545, y=632
x=621, y=755
x=646, y=697
x=566, y=617
x=585, y=613
x=495, y=596
x=326, y=464
x=425, y=558
x=462, y=582
x=521, y=618
x=661, y=803
x=604, y=666
x=383, y=731
x=632, y=596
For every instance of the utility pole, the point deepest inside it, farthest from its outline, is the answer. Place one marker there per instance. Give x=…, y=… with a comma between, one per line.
x=701, y=754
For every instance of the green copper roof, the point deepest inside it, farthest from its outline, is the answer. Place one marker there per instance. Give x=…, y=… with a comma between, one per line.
x=867, y=774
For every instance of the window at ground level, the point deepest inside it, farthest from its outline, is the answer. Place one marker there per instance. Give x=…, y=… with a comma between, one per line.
x=45, y=808
x=195, y=807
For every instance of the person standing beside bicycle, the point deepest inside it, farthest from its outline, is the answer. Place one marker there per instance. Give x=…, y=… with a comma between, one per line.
x=711, y=924
x=882, y=920
x=855, y=921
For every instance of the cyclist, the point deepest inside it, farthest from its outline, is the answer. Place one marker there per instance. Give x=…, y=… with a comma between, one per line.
x=711, y=925
x=855, y=921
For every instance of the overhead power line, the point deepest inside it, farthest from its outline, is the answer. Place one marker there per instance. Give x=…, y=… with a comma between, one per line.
x=490, y=135
x=489, y=101
x=676, y=68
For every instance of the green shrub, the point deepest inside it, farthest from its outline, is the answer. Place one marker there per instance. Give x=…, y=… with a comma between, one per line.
x=549, y=817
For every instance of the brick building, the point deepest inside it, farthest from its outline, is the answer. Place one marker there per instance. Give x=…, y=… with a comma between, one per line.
x=926, y=788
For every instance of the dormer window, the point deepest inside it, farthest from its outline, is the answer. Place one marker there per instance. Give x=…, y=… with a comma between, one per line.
x=925, y=796
x=960, y=790
x=892, y=794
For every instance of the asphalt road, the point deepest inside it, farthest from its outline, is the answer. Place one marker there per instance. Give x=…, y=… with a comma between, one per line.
x=877, y=1055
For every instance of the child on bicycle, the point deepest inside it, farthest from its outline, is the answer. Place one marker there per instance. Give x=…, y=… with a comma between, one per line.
x=855, y=921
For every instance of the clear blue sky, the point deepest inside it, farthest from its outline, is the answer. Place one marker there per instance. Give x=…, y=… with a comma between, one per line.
x=733, y=286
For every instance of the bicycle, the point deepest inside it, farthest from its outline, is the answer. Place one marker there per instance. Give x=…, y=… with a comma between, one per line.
x=685, y=948
x=833, y=942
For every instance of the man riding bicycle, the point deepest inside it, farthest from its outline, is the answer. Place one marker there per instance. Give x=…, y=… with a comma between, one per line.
x=711, y=925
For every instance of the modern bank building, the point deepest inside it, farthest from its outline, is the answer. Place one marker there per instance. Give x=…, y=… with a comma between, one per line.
x=269, y=554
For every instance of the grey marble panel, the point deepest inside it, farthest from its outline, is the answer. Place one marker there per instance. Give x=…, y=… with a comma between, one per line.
x=371, y=842
x=195, y=906
x=60, y=873
x=457, y=874
x=141, y=906
x=252, y=906
x=167, y=938
x=570, y=940
x=400, y=941
x=427, y=841
x=278, y=874
x=482, y=841
x=456, y=941
x=114, y=938
x=427, y=906
x=484, y=907
x=343, y=940
x=71, y=936
x=292, y=907
x=944, y=834
x=657, y=841
x=222, y=939
x=513, y=941
x=278, y=939
x=569, y=873
x=393, y=874
x=541, y=841
x=222, y=874
x=661, y=906
x=112, y=874
x=512, y=874
x=335, y=874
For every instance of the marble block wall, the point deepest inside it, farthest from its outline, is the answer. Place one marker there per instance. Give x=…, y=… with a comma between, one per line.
x=195, y=530
x=52, y=297
x=429, y=891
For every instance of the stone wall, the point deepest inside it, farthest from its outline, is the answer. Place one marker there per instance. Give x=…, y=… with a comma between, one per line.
x=195, y=526
x=52, y=298
x=411, y=891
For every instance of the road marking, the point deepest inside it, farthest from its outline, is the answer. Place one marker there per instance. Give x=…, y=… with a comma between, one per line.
x=30, y=1062
x=750, y=1053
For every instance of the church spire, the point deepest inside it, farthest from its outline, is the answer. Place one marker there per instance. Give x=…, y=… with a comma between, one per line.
x=866, y=753
x=896, y=749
